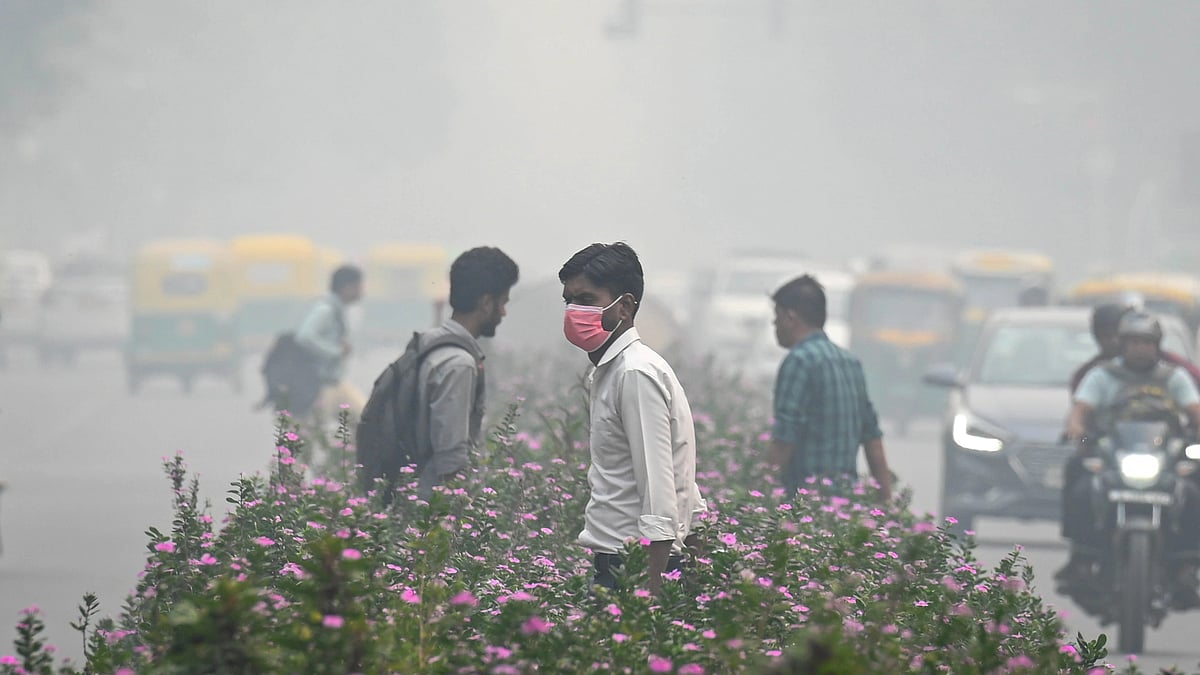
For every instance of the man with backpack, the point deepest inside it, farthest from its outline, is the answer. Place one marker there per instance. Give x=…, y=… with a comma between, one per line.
x=324, y=336
x=427, y=407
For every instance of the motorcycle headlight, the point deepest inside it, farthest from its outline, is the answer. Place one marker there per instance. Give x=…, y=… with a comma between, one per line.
x=1192, y=452
x=970, y=433
x=1140, y=470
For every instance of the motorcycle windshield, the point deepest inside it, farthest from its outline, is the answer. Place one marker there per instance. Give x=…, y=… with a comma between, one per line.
x=1142, y=436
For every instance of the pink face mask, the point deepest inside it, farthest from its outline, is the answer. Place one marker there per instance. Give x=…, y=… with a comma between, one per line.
x=584, y=326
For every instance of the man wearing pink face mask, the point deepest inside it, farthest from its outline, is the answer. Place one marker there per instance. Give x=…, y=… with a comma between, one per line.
x=643, y=443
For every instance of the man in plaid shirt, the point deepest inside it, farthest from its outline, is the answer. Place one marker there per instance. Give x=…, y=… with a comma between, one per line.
x=822, y=410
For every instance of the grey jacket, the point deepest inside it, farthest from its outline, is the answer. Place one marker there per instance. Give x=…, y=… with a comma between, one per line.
x=450, y=414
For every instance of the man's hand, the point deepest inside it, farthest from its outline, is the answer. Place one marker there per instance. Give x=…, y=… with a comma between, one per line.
x=877, y=463
x=779, y=454
x=1077, y=422
x=660, y=554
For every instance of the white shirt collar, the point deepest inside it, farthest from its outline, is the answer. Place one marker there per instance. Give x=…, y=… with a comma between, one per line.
x=619, y=345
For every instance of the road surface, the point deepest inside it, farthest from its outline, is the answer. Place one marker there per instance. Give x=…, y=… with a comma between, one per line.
x=81, y=458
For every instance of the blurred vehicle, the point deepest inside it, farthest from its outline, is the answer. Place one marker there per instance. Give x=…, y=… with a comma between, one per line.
x=1139, y=470
x=1003, y=454
x=24, y=278
x=183, y=314
x=739, y=303
x=1177, y=294
x=407, y=289
x=995, y=279
x=276, y=277
x=901, y=323
x=738, y=300
x=86, y=308
x=762, y=356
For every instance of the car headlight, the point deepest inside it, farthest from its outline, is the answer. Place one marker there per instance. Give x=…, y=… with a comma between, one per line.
x=971, y=433
x=1140, y=470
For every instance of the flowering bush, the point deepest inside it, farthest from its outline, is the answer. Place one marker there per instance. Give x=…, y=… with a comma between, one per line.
x=306, y=574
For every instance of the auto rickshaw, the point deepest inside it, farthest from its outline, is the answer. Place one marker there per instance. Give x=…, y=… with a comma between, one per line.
x=1177, y=294
x=407, y=289
x=997, y=279
x=901, y=323
x=277, y=277
x=183, y=314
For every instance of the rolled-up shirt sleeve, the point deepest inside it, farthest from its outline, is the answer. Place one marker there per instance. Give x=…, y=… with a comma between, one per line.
x=450, y=398
x=1183, y=389
x=646, y=417
x=790, y=401
x=318, y=332
x=1092, y=392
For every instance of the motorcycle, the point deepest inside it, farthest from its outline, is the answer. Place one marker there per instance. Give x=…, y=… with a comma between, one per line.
x=1139, y=474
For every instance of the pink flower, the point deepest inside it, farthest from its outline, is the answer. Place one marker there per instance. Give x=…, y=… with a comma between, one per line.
x=619, y=637
x=1020, y=661
x=641, y=593
x=264, y=541
x=346, y=512
x=710, y=634
x=9, y=660
x=165, y=547
x=691, y=669
x=410, y=596
x=660, y=665
x=207, y=559
x=333, y=621
x=613, y=609
x=352, y=554
x=464, y=598
x=536, y=625
x=728, y=538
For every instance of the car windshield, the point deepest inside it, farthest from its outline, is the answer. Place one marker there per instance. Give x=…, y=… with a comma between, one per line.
x=906, y=309
x=992, y=292
x=1034, y=355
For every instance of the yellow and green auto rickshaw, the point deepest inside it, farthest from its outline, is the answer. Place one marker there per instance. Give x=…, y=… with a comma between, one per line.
x=996, y=279
x=1177, y=294
x=183, y=314
x=901, y=323
x=407, y=289
x=277, y=278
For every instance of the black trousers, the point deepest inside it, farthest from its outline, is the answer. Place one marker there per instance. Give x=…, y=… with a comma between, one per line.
x=606, y=564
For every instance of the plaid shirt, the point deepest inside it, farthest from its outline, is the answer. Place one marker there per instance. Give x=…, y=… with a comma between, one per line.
x=822, y=410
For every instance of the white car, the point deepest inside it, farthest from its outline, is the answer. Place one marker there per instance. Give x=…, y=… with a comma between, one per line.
x=738, y=320
x=85, y=309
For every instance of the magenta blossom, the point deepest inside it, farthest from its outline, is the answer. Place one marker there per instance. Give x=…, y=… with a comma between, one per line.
x=333, y=621
x=660, y=665
x=165, y=547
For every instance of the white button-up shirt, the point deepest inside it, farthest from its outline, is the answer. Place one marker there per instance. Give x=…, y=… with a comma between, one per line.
x=643, y=446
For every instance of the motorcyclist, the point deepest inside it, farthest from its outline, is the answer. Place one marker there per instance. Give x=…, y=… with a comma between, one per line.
x=1105, y=319
x=1141, y=368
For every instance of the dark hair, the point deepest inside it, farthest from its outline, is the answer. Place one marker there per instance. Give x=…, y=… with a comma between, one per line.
x=805, y=296
x=1107, y=317
x=346, y=275
x=613, y=267
x=485, y=270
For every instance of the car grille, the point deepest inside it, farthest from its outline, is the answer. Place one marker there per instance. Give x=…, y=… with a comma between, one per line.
x=1042, y=465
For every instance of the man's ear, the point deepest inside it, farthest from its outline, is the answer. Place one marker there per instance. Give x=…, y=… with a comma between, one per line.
x=629, y=304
